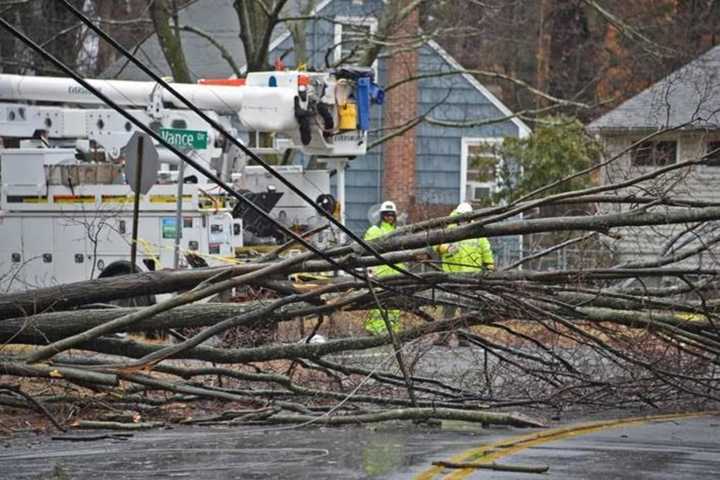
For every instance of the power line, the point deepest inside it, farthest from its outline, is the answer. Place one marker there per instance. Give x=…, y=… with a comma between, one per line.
x=235, y=141
x=162, y=141
x=59, y=64
x=104, y=35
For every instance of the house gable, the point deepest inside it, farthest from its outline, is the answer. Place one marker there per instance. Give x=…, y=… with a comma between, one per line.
x=689, y=98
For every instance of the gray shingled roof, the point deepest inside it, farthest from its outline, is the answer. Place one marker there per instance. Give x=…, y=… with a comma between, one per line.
x=690, y=95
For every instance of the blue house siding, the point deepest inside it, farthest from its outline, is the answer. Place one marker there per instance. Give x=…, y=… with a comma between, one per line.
x=449, y=98
x=363, y=182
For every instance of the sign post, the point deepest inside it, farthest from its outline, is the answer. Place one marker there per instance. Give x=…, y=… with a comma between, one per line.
x=178, y=215
x=141, y=166
x=136, y=207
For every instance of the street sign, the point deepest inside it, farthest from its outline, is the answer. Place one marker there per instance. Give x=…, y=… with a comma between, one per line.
x=185, y=139
x=149, y=166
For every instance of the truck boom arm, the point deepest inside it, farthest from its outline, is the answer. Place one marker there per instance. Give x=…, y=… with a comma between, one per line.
x=259, y=108
x=322, y=113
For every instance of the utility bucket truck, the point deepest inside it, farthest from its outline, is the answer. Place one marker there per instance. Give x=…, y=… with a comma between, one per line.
x=65, y=201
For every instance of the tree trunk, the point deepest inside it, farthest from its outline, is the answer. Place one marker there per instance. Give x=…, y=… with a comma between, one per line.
x=258, y=19
x=544, y=49
x=48, y=327
x=162, y=12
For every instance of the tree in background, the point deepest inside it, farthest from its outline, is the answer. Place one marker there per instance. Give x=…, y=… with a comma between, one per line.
x=596, y=52
x=559, y=148
x=53, y=26
x=556, y=158
x=164, y=15
x=50, y=24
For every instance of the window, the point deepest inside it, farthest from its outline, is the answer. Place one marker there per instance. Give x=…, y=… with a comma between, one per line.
x=654, y=154
x=712, y=149
x=479, y=170
x=351, y=34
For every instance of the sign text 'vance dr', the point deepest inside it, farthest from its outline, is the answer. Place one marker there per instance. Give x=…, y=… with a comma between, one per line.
x=185, y=139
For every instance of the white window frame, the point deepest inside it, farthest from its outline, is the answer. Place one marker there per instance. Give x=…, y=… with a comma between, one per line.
x=705, y=147
x=466, y=143
x=678, y=153
x=361, y=21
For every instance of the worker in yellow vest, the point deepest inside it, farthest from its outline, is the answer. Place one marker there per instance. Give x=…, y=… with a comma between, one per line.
x=463, y=256
x=469, y=255
x=374, y=322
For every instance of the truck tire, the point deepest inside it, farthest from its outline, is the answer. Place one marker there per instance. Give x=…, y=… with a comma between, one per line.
x=123, y=267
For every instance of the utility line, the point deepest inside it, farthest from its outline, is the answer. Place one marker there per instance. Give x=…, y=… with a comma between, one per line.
x=59, y=64
x=104, y=35
x=167, y=145
x=234, y=141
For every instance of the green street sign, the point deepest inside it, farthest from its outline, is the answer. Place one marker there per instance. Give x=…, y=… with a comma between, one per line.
x=185, y=139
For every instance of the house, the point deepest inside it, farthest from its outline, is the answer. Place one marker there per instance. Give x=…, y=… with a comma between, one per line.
x=427, y=170
x=675, y=120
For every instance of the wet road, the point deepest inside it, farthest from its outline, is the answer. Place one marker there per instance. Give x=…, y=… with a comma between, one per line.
x=349, y=453
x=678, y=448
x=672, y=448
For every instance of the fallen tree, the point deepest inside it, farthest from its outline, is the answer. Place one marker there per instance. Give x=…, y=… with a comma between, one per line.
x=614, y=332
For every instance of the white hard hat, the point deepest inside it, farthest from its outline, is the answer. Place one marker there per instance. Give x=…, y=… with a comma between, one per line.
x=388, y=206
x=463, y=208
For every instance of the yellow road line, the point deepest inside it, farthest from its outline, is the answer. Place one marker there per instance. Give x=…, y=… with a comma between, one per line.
x=491, y=452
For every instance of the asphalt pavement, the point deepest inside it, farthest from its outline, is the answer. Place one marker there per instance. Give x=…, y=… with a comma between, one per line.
x=677, y=447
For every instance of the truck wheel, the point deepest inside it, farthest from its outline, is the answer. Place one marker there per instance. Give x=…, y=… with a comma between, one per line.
x=123, y=267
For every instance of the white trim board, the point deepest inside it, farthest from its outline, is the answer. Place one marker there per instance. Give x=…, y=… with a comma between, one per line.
x=341, y=20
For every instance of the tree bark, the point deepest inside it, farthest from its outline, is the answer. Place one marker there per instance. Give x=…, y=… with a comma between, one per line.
x=69, y=295
x=258, y=19
x=49, y=327
x=68, y=373
x=162, y=13
x=490, y=418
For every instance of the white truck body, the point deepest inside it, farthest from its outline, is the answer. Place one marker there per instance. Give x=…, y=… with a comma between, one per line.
x=66, y=215
x=53, y=234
